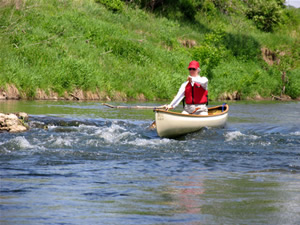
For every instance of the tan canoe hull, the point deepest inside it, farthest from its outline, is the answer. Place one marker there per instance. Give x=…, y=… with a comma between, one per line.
x=172, y=124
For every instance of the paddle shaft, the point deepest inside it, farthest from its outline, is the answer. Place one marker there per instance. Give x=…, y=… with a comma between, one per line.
x=133, y=107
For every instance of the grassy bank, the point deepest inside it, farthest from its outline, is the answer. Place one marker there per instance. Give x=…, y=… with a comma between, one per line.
x=66, y=45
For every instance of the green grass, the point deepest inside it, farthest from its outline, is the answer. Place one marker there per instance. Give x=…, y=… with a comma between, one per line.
x=68, y=45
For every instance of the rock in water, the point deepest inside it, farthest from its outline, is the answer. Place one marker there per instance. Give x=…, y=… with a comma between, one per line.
x=13, y=122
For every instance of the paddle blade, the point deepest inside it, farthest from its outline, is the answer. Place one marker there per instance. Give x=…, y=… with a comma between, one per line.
x=152, y=126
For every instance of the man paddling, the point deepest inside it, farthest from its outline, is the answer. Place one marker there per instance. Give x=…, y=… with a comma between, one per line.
x=195, y=92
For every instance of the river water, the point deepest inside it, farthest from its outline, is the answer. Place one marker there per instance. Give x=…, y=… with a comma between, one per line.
x=84, y=163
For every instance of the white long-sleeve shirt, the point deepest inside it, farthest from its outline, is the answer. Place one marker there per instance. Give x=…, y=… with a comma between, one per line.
x=203, y=81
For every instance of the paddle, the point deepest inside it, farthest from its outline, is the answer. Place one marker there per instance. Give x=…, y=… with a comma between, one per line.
x=153, y=124
x=133, y=107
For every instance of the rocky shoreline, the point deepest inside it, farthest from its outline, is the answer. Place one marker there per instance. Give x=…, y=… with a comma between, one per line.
x=13, y=122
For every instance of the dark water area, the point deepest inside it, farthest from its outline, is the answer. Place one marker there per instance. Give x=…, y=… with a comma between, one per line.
x=84, y=163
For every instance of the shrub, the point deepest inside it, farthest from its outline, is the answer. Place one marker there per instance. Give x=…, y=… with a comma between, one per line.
x=188, y=8
x=241, y=45
x=265, y=14
x=293, y=85
x=113, y=5
x=210, y=53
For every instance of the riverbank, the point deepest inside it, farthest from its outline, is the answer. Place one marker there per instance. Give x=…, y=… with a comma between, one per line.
x=12, y=93
x=82, y=50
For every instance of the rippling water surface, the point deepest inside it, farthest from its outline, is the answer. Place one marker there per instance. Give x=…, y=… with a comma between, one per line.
x=82, y=163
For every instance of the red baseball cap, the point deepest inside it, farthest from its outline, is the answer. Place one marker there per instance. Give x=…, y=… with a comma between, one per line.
x=194, y=64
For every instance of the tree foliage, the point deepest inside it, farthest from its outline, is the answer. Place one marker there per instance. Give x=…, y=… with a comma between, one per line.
x=211, y=52
x=113, y=5
x=186, y=8
x=266, y=14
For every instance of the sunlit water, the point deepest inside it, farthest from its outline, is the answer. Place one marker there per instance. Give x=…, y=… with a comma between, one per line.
x=83, y=163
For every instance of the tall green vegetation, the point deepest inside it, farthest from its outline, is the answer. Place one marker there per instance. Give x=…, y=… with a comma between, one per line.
x=265, y=14
x=144, y=46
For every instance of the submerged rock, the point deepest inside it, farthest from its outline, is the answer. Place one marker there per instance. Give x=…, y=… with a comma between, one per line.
x=13, y=122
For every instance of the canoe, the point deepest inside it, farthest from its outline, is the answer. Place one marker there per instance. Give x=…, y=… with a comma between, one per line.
x=172, y=124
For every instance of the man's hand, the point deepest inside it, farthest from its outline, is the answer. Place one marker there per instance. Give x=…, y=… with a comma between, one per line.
x=168, y=107
x=189, y=79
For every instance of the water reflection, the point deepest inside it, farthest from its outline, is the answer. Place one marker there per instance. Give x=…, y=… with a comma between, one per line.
x=236, y=199
x=187, y=194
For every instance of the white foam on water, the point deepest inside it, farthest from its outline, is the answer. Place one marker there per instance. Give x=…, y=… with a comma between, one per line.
x=62, y=142
x=22, y=142
x=297, y=133
x=149, y=142
x=114, y=133
x=252, y=137
x=265, y=143
x=230, y=136
x=93, y=142
x=114, y=137
x=51, y=127
x=233, y=135
x=87, y=127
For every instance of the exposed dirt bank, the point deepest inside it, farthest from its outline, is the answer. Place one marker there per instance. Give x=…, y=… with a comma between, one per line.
x=237, y=96
x=10, y=92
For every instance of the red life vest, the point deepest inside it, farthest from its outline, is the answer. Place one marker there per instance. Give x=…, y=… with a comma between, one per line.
x=195, y=94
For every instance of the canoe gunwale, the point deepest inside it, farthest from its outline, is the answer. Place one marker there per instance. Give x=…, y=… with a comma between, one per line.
x=199, y=116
